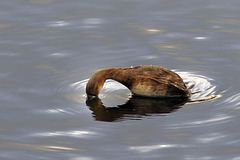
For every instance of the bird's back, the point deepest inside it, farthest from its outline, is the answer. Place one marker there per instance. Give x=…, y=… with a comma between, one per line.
x=154, y=81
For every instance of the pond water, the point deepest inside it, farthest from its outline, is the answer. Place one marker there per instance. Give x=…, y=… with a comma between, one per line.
x=50, y=48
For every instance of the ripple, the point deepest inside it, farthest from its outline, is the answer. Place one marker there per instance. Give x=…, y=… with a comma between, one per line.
x=92, y=22
x=73, y=133
x=58, y=24
x=109, y=86
x=201, y=87
x=79, y=85
x=212, y=121
x=112, y=93
x=234, y=99
x=155, y=147
x=58, y=55
x=211, y=137
x=58, y=111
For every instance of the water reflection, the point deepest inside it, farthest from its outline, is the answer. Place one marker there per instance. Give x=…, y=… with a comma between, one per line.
x=39, y=147
x=72, y=133
x=212, y=121
x=211, y=138
x=155, y=147
x=134, y=108
x=59, y=24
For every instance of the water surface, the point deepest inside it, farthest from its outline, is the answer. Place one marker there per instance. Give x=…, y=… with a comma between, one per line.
x=50, y=48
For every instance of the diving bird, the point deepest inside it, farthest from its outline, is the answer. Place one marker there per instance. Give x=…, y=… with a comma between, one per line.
x=145, y=81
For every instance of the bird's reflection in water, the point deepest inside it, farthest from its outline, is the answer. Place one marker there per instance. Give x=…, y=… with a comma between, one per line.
x=134, y=108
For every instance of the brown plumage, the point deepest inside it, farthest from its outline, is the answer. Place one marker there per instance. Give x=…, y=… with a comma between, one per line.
x=147, y=81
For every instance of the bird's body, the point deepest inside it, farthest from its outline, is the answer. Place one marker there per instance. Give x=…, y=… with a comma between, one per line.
x=147, y=81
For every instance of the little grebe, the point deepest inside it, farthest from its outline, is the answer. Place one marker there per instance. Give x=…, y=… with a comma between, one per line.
x=147, y=81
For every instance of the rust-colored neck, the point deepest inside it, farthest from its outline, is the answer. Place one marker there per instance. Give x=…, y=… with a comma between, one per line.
x=96, y=82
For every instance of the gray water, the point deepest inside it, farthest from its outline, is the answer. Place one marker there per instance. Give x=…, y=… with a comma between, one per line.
x=50, y=48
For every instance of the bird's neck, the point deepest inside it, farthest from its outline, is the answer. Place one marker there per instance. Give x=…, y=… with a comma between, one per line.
x=96, y=82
